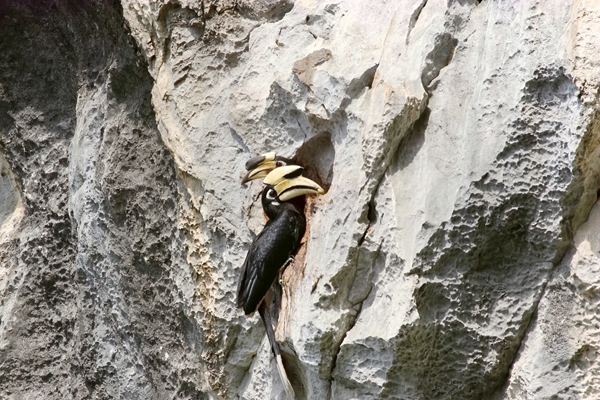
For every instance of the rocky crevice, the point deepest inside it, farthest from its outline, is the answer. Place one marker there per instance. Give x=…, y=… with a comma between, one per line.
x=414, y=18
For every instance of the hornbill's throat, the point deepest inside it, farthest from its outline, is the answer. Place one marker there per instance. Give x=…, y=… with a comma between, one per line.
x=260, y=166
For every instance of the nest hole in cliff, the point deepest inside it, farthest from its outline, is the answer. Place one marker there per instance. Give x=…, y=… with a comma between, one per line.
x=316, y=156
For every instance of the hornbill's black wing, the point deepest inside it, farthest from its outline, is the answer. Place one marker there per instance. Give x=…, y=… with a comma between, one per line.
x=268, y=253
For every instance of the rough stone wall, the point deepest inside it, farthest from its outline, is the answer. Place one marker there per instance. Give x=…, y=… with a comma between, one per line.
x=454, y=254
x=90, y=306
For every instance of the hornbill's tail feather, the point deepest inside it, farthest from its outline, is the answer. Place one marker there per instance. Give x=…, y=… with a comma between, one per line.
x=287, y=386
x=266, y=318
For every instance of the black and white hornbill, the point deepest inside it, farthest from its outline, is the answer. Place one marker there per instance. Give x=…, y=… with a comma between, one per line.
x=260, y=166
x=274, y=247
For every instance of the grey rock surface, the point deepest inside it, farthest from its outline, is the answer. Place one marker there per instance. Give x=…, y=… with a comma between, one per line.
x=454, y=254
x=90, y=305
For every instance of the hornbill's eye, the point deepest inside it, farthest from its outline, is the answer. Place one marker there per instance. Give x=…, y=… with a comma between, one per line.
x=271, y=194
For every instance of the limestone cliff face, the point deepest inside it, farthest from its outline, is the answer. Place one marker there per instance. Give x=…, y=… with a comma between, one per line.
x=456, y=253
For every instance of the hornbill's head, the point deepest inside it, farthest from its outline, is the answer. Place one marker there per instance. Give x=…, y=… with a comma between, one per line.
x=260, y=166
x=284, y=184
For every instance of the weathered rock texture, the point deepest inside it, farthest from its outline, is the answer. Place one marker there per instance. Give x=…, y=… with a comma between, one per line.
x=453, y=256
x=92, y=298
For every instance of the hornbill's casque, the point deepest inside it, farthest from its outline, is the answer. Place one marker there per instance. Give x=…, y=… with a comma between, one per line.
x=260, y=166
x=274, y=247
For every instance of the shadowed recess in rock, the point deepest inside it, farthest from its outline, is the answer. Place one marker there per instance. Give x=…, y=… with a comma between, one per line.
x=317, y=156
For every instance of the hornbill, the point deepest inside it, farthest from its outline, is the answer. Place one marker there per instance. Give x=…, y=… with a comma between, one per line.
x=274, y=247
x=260, y=166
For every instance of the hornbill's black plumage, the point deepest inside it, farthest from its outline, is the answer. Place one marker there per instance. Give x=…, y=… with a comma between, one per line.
x=274, y=246
x=280, y=238
x=270, y=250
x=260, y=166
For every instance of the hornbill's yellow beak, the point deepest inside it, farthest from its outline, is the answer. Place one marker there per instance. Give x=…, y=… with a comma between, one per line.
x=289, y=183
x=260, y=166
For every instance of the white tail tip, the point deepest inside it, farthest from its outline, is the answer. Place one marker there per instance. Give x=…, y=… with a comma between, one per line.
x=287, y=386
